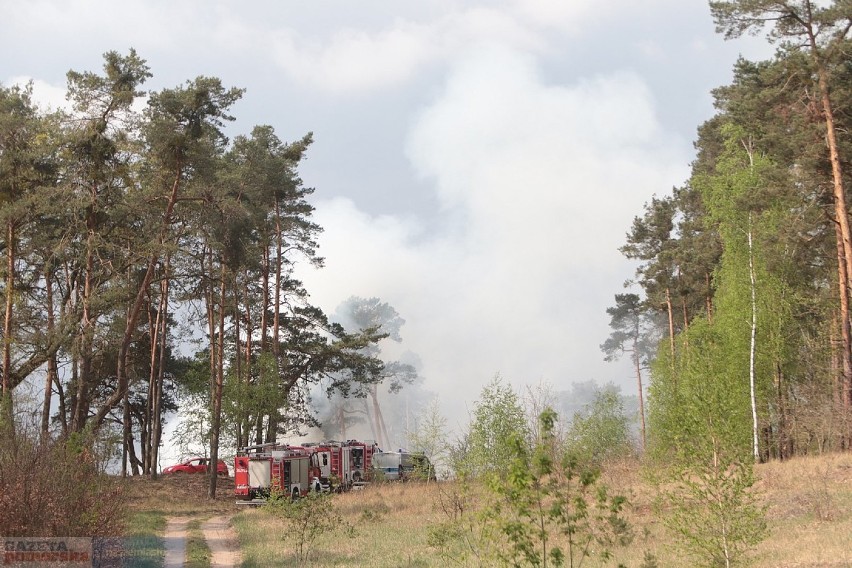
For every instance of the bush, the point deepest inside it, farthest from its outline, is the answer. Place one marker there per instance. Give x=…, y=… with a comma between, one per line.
x=601, y=432
x=497, y=417
x=544, y=510
x=307, y=518
x=56, y=488
x=714, y=512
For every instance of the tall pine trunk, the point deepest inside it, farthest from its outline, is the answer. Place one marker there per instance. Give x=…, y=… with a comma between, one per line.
x=157, y=423
x=7, y=417
x=52, y=375
x=638, y=369
x=839, y=192
x=216, y=417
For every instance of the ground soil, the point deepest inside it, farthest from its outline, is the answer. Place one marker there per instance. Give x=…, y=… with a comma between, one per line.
x=222, y=541
x=183, y=498
x=175, y=542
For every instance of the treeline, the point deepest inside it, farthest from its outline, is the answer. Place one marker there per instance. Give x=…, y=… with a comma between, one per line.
x=125, y=230
x=745, y=270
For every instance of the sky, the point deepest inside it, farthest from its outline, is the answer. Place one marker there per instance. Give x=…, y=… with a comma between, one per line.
x=477, y=163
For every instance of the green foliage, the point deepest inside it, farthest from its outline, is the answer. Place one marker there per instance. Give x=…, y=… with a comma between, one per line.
x=631, y=331
x=713, y=509
x=429, y=437
x=543, y=510
x=790, y=18
x=695, y=406
x=601, y=432
x=424, y=469
x=307, y=518
x=703, y=394
x=498, y=417
x=191, y=435
x=701, y=406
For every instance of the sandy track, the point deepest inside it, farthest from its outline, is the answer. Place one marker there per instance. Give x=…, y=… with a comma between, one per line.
x=175, y=542
x=222, y=540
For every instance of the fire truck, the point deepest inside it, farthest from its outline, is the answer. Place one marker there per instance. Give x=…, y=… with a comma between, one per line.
x=266, y=468
x=294, y=470
x=342, y=465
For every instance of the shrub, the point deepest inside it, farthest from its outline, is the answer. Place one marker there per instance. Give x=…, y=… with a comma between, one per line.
x=497, y=417
x=601, y=432
x=715, y=513
x=56, y=488
x=307, y=518
x=543, y=510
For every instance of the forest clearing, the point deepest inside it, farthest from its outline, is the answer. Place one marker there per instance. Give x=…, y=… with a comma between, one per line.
x=668, y=327
x=809, y=499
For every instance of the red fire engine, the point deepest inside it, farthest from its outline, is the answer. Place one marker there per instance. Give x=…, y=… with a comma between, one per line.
x=343, y=464
x=266, y=468
x=295, y=470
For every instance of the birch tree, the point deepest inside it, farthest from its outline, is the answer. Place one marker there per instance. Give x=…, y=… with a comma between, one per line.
x=820, y=31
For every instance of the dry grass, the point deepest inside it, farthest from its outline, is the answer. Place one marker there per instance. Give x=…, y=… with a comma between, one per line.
x=809, y=511
x=387, y=527
x=180, y=495
x=809, y=503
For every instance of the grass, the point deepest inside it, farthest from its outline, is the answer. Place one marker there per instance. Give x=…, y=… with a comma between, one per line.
x=386, y=525
x=152, y=502
x=809, y=503
x=144, y=542
x=197, y=551
x=180, y=495
x=809, y=513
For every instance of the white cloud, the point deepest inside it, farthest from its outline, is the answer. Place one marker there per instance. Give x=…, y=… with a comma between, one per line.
x=570, y=16
x=543, y=181
x=353, y=59
x=46, y=96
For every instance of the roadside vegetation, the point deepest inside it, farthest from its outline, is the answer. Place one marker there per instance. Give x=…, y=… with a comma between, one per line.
x=809, y=520
x=50, y=488
x=554, y=497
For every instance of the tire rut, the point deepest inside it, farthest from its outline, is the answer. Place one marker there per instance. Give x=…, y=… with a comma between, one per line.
x=222, y=541
x=220, y=537
x=174, y=540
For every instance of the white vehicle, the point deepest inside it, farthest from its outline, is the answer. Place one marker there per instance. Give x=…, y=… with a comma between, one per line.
x=402, y=465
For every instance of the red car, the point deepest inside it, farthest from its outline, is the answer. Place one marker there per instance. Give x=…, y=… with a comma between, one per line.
x=196, y=465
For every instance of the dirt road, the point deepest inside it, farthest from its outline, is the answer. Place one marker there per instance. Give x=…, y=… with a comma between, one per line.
x=223, y=544
x=175, y=542
x=220, y=537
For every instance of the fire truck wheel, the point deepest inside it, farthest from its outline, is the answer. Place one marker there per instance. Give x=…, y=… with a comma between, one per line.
x=295, y=493
x=356, y=477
